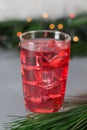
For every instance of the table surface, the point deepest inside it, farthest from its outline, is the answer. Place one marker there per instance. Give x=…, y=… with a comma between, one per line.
x=11, y=96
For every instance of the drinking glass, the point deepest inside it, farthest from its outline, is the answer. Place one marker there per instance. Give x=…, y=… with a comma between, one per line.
x=44, y=56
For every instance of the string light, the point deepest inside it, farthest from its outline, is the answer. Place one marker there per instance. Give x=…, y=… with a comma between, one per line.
x=60, y=26
x=45, y=15
x=19, y=33
x=72, y=15
x=52, y=26
x=29, y=19
x=75, y=38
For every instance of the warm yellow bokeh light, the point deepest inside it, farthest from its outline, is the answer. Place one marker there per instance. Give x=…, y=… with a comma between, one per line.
x=19, y=33
x=45, y=15
x=51, y=26
x=29, y=19
x=60, y=26
x=75, y=38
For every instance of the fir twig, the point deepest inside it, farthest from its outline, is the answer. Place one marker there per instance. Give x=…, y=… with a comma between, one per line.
x=72, y=119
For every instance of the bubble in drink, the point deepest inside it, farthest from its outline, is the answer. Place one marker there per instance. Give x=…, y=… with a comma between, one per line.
x=44, y=74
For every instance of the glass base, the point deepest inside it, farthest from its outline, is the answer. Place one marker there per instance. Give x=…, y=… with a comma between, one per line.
x=29, y=113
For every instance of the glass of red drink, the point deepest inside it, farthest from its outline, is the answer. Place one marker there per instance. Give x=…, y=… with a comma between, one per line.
x=44, y=58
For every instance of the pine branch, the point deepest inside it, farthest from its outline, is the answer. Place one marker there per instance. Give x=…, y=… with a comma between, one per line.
x=79, y=21
x=72, y=119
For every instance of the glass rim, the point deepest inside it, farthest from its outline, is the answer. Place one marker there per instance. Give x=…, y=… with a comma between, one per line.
x=67, y=36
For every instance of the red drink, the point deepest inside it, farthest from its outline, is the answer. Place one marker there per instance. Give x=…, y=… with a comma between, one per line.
x=44, y=69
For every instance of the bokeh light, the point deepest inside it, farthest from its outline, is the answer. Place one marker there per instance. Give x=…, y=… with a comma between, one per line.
x=45, y=15
x=60, y=26
x=19, y=33
x=29, y=19
x=72, y=15
x=52, y=26
x=75, y=38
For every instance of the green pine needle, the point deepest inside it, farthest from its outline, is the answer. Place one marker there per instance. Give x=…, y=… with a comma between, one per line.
x=72, y=119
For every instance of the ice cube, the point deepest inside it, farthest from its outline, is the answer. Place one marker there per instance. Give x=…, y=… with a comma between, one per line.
x=38, y=76
x=35, y=91
x=39, y=61
x=49, y=78
x=56, y=60
x=29, y=75
x=51, y=43
x=63, y=45
x=55, y=92
x=55, y=45
x=62, y=54
x=47, y=56
x=52, y=46
x=46, y=76
x=36, y=99
x=31, y=60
